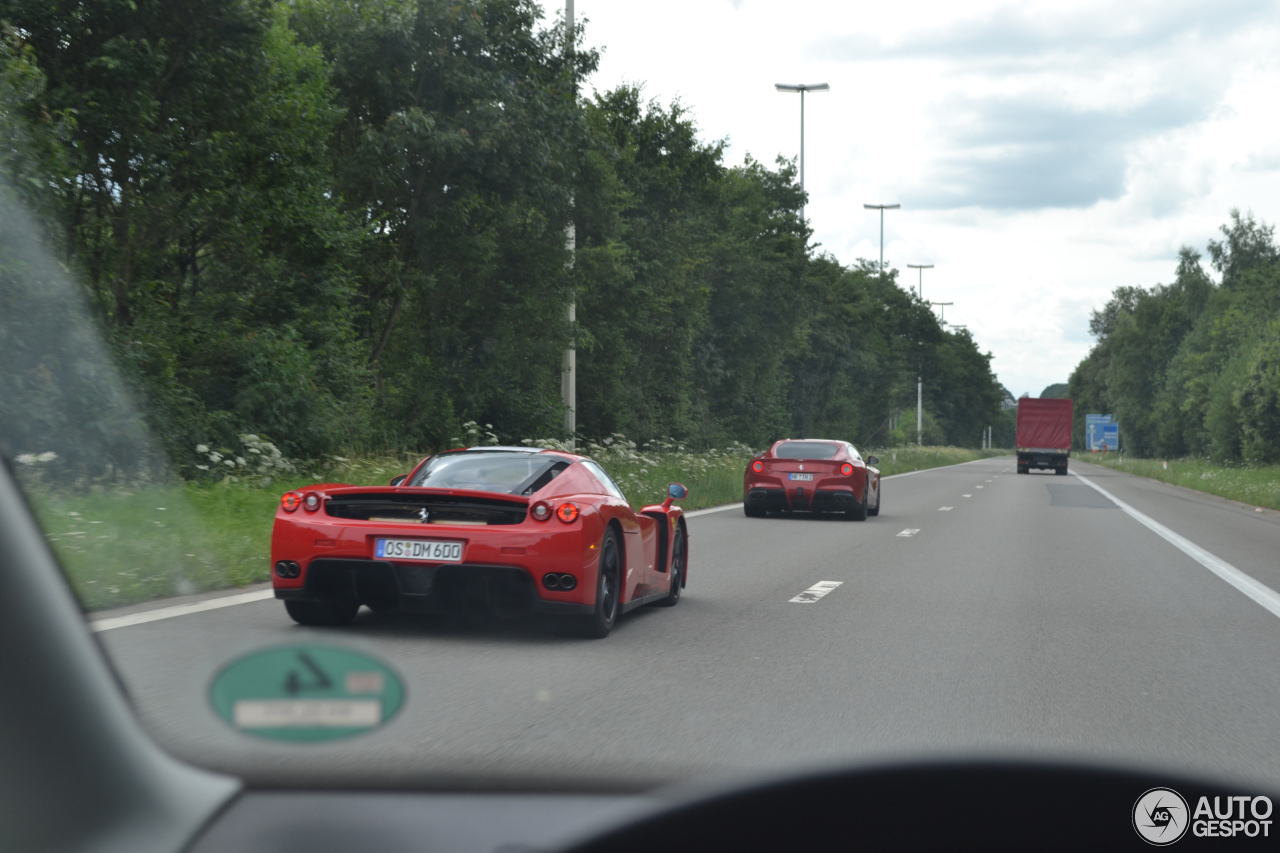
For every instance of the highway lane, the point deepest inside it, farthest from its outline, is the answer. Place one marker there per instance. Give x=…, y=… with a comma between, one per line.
x=1033, y=617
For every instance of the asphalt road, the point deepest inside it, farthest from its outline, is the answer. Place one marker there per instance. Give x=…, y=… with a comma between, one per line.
x=1025, y=616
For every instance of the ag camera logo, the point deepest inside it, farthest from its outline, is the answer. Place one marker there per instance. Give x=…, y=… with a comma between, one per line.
x=1160, y=816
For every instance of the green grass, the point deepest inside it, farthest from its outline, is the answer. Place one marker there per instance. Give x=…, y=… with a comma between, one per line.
x=1256, y=485
x=900, y=460
x=125, y=545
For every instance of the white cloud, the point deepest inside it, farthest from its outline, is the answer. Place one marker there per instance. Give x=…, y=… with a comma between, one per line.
x=1044, y=153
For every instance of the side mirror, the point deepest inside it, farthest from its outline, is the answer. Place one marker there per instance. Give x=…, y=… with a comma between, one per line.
x=873, y=460
x=675, y=491
x=395, y=481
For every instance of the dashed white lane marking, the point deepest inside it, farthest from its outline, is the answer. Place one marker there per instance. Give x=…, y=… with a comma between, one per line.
x=979, y=487
x=813, y=593
x=966, y=496
x=180, y=610
x=910, y=531
x=944, y=509
x=1259, y=592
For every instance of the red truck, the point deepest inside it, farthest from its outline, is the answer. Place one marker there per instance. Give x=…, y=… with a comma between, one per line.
x=1044, y=434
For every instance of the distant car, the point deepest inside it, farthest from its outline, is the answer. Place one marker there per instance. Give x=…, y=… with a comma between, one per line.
x=812, y=475
x=504, y=529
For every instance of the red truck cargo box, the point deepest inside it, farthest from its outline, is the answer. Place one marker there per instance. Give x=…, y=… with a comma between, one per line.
x=1044, y=424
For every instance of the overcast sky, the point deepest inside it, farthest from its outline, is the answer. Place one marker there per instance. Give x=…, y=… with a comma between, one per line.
x=1043, y=153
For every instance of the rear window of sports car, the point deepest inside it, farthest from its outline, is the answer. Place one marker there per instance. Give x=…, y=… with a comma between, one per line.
x=507, y=472
x=806, y=450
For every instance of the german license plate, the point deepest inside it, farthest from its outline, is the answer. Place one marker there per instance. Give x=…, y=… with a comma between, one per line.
x=799, y=476
x=418, y=549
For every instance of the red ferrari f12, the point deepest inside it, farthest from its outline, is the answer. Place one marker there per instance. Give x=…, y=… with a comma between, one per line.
x=812, y=475
x=504, y=529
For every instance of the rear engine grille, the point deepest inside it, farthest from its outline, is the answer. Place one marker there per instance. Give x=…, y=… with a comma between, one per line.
x=426, y=509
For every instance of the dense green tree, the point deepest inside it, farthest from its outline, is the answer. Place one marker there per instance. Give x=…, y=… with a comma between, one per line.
x=343, y=224
x=458, y=150
x=1058, y=390
x=1190, y=367
x=192, y=198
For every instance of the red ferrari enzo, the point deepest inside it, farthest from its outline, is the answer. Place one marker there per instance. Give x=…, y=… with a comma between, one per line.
x=812, y=475
x=503, y=529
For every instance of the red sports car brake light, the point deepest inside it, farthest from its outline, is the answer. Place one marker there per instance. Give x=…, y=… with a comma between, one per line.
x=311, y=502
x=567, y=513
x=289, y=502
x=757, y=466
x=846, y=469
x=540, y=511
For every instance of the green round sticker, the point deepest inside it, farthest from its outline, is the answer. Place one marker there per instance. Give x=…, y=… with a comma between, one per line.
x=306, y=693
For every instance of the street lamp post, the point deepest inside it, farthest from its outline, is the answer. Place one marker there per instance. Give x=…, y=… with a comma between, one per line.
x=920, y=384
x=882, y=208
x=569, y=371
x=922, y=268
x=801, y=88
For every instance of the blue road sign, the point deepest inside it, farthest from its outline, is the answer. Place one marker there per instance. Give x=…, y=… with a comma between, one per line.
x=1100, y=430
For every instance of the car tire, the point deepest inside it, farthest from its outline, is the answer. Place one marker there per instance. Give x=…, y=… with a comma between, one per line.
x=608, y=590
x=858, y=512
x=750, y=512
x=679, y=553
x=323, y=614
x=879, y=497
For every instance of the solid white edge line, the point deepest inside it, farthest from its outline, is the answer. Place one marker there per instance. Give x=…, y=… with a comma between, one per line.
x=722, y=508
x=180, y=610
x=1259, y=592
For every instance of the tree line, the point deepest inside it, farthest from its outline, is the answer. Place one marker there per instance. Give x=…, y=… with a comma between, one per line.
x=343, y=226
x=1193, y=367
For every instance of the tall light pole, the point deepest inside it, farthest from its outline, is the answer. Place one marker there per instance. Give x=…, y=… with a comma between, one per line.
x=943, y=306
x=922, y=268
x=569, y=372
x=920, y=382
x=801, y=88
x=882, y=208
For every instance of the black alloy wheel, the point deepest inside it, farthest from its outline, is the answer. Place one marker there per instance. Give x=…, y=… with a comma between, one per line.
x=677, y=569
x=751, y=512
x=323, y=614
x=858, y=512
x=608, y=589
x=879, y=498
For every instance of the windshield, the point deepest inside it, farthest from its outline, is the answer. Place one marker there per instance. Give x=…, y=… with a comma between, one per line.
x=258, y=260
x=515, y=473
x=806, y=450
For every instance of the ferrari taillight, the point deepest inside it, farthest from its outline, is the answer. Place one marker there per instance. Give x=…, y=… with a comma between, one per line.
x=289, y=502
x=567, y=512
x=311, y=502
x=757, y=466
x=846, y=469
